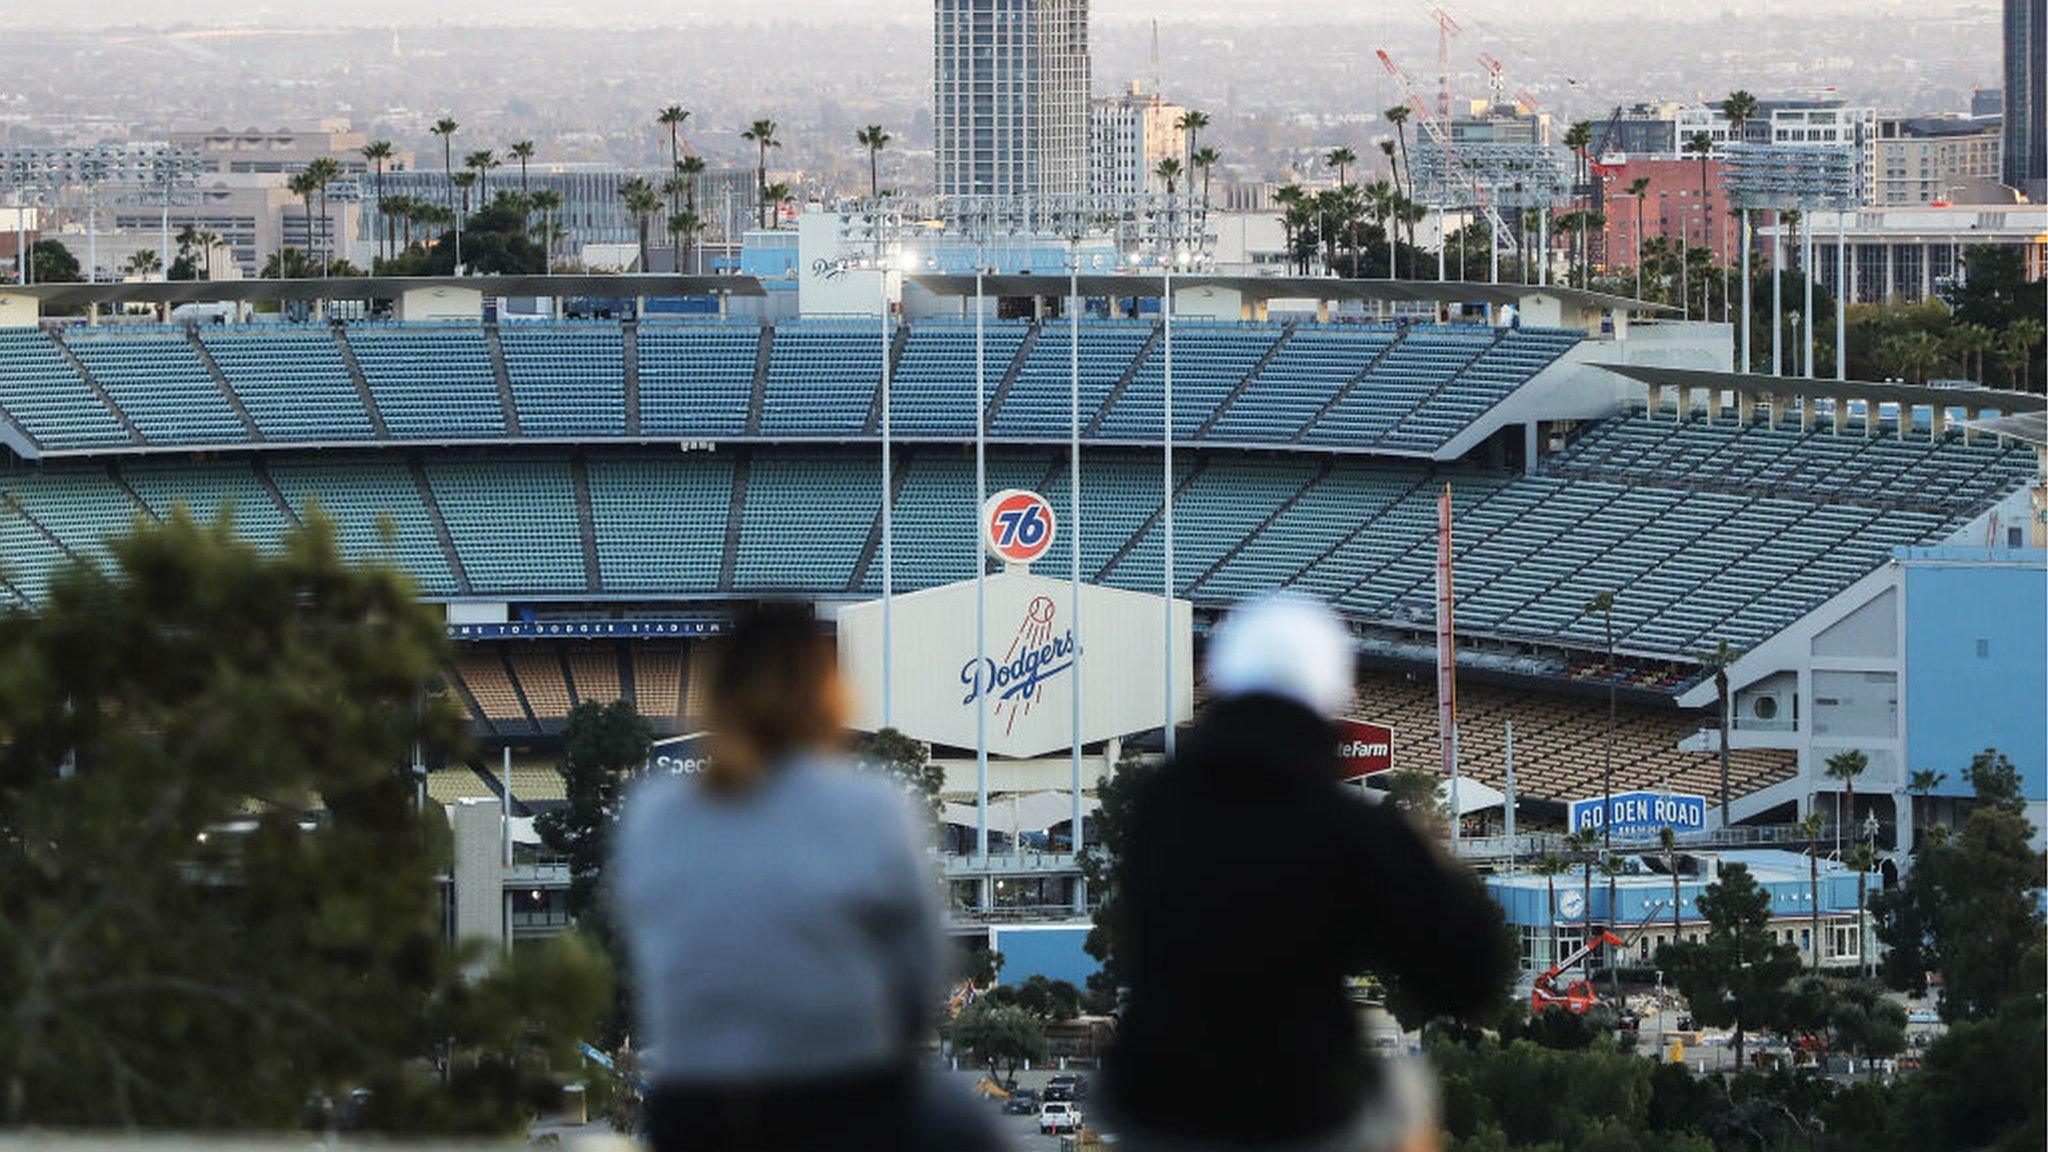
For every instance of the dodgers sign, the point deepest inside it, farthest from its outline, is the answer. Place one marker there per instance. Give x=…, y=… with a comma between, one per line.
x=1016, y=526
x=1015, y=681
x=1641, y=814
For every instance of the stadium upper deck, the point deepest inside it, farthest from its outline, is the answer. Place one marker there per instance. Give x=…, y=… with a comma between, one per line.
x=1337, y=388
x=538, y=463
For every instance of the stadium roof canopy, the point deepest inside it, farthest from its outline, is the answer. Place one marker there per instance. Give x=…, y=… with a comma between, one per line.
x=1148, y=283
x=2027, y=427
x=61, y=296
x=1905, y=395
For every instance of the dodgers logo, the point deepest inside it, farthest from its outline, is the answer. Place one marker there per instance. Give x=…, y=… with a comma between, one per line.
x=1034, y=656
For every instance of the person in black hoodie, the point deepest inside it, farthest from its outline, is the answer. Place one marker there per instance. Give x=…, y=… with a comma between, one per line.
x=1251, y=884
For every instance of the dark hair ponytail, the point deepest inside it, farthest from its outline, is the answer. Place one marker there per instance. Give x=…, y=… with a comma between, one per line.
x=773, y=691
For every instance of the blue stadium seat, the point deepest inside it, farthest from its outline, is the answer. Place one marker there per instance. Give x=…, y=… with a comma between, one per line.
x=567, y=379
x=46, y=398
x=430, y=381
x=156, y=377
x=292, y=380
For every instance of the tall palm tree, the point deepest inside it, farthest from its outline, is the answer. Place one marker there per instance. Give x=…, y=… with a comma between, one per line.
x=1811, y=827
x=1580, y=138
x=1698, y=144
x=1846, y=766
x=1581, y=843
x=1638, y=190
x=464, y=181
x=643, y=202
x=482, y=163
x=1341, y=158
x=1192, y=122
x=1739, y=109
x=1293, y=200
x=143, y=262
x=445, y=128
x=1921, y=783
x=378, y=153
x=672, y=118
x=1203, y=161
x=762, y=134
x=547, y=202
x=324, y=170
x=1718, y=661
x=874, y=138
x=1404, y=176
x=1550, y=868
x=522, y=151
x=692, y=169
x=1169, y=170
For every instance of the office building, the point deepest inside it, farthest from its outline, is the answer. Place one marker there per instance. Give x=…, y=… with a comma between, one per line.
x=2026, y=111
x=1672, y=207
x=1010, y=97
x=1128, y=135
x=1934, y=159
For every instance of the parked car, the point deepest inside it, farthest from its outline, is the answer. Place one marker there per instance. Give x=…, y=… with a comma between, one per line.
x=1071, y=1086
x=1022, y=1102
x=1058, y=1116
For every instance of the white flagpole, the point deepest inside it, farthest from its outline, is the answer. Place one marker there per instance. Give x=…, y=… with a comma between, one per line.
x=980, y=581
x=1166, y=523
x=1074, y=541
x=888, y=522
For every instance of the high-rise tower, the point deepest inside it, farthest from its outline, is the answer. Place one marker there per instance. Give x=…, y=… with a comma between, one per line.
x=1010, y=96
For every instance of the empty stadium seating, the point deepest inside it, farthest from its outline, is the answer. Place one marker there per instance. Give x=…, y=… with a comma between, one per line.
x=1377, y=387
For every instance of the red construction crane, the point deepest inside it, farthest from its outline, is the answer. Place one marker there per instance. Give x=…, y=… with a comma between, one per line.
x=1446, y=27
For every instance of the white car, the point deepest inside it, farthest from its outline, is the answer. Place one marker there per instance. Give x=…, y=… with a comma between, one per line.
x=1058, y=1116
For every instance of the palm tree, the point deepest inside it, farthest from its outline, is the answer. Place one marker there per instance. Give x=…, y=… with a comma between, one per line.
x=683, y=228
x=1668, y=840
x=1638, y=190
x=1398, y=117
x=547, y=202
x=642, y=201
x=1718, y=661
x=302, y=185
x=1699, y=144
x=2016, y=349
x=464, y=181
x=672, y=118
x=1550, y=868
x=208, y=241
x=1205, y=159
x=1169, y=170
x=1863, y=858
x=143, y=262
x=777, y=195
x=874, y=139
x=445, y=128
x=1921, y=783
x=1846, y=766
x=1293, y=201
x=1192, y=123
x=762, y=133
x=1812, y=826
x=1341, y=158
x=1968, y=340
x=1739, y=109
x=522, y=151
x=324, y=171
x=378, y=152
x=482, y=163
x=692, y=169
x=1578, y=138
x=1581, y=844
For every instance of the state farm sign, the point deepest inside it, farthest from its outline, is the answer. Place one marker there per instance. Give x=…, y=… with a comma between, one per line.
x=1363, y=749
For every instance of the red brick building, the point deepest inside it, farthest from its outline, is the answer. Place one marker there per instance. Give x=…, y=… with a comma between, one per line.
x=1671, y=206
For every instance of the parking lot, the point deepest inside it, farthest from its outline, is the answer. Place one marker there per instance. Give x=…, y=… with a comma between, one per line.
x=1022, y=1131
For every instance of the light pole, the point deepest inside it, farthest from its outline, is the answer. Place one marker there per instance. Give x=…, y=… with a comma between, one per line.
x=888, y=510
x=1806, y=275
x=980, y=576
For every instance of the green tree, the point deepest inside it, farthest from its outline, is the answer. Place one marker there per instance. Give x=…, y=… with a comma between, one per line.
x=445, y=128
x=1341, y=158
x=1053, y=1001
x=522, y=151
x=907, y=763
x=1718, y=661
x=1735, y=977
x=1638, y=191
x=999, y=1037
x=321, y=171
x=1846, y=766
x=1416, y=794
x=673, y=118
x=217, y=899
x=643, y=202
x=144, y=262
x=776, y=196
x=547, y=202
x=1192, y=122
x=761, y=134
x=2016, y=349
x=379, y=153
x=493, y=241
x=874, y=138
x=1971, y=903
x=1204, y=161
x=1098, y=870
x=1811, y=826
x=1169, y=171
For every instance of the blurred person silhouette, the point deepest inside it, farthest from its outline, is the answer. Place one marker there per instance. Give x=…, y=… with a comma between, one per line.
x=1252, y=884
x=782, y=923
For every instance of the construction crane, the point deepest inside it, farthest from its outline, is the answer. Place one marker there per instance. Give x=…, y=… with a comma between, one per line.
x=1437, y=126
x=1497, y=81
x=1446, y=27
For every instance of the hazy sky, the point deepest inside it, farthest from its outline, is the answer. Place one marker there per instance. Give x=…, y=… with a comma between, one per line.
x=1364, y=13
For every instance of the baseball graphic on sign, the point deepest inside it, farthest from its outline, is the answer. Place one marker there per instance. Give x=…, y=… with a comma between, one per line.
x=1017, y=526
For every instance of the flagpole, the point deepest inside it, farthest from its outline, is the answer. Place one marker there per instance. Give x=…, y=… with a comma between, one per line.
x=980, y=581
x=1074, y=542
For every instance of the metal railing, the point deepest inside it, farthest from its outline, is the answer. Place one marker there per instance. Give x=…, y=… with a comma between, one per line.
x=1535, y=845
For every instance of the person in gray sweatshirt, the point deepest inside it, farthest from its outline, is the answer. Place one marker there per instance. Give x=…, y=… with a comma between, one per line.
x=781, y=920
